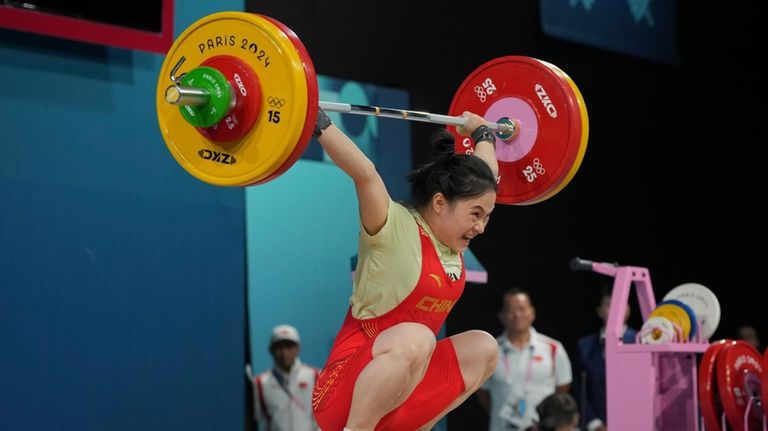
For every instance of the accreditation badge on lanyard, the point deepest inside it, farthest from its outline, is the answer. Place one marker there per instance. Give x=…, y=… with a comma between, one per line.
x=516, y=406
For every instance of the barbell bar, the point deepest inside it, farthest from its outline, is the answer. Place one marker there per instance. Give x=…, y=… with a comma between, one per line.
x=198, y=96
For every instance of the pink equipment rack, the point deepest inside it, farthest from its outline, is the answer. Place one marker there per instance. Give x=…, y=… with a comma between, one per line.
x=649, y=386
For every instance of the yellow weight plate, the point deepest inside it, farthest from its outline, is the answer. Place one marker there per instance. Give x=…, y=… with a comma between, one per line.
x=312, y=103
x=284, y=99
x=677, y=315
x=584, y=135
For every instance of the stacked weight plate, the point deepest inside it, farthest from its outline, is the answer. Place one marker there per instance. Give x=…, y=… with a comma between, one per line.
x=733, y=379
x=688, y=313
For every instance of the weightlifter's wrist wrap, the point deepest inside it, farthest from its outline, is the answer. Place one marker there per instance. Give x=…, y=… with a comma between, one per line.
x=322, y=123
x=484, y=133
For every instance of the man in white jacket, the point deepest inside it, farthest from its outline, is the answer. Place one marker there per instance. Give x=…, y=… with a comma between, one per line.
x=283, y=394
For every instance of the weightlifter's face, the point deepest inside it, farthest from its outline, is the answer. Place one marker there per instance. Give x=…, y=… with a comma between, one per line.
x=463, y=219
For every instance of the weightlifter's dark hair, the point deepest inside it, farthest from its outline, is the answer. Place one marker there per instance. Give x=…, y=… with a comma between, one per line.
x=454, y=175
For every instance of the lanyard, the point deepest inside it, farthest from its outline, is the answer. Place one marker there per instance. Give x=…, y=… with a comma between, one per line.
x=528, y=372
x=284, y=386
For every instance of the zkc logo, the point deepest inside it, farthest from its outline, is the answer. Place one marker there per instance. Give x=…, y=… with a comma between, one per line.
x=215, y=156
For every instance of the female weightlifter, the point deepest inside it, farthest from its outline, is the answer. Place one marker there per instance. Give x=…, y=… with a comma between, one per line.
x=386, y=370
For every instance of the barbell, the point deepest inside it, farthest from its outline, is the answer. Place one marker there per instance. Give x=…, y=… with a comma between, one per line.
x=237, y=100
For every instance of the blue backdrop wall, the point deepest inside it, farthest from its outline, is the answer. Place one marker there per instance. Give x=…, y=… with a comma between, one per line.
x=122, y=278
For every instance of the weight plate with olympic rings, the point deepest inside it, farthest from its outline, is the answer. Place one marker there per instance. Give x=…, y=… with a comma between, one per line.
x=279, y=132
x=312, y=101
x=551, y=142
x=566, y=179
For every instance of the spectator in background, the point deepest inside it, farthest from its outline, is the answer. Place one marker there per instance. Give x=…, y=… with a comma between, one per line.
x=530, y=367
x=283, y=394
x=589, y=386
x=748, y=333
x=557, y=412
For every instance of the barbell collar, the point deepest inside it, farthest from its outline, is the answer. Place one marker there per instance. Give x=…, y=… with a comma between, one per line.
x=188, y=96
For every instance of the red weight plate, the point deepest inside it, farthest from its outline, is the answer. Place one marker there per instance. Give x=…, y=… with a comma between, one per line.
x=765, y=379
x=739, y=368
x=584, y=138
x=709, y=398
x=547, y=146
x=247, y=90
x=312, y=100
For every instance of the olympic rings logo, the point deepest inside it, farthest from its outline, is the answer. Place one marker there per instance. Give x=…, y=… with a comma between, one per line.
x=480, y=93
x=275, y=102
x=532, y=172
x=485, y=90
